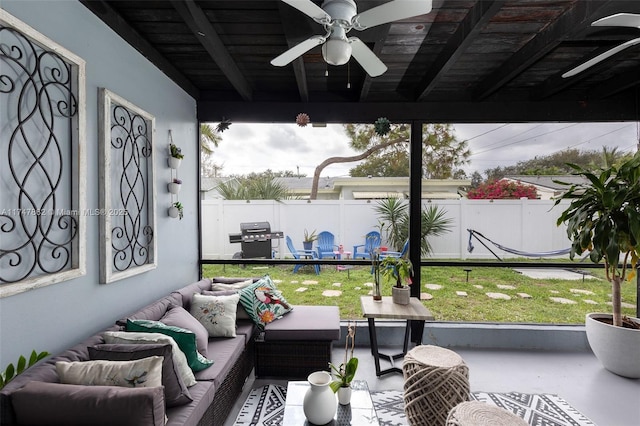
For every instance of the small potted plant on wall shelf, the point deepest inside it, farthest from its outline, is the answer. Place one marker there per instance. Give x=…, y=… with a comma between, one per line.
x=176, y=156
x=398, y=270
x=176, y=210
x=175, y=185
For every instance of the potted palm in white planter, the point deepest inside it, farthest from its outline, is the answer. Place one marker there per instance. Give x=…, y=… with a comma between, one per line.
x=604, y=219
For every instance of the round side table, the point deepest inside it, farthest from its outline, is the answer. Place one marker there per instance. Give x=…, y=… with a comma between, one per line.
x=435, y=381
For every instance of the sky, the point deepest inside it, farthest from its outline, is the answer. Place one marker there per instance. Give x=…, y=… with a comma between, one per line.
x=247, y=148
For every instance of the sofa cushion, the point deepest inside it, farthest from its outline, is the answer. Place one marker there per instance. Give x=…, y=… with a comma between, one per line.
x=177, y=316
x=153, y=311
x=179, y=358
x=175, y=391
x=226, y=352
x=140, y=373
x=231, y=285
x=185, y=293
x=192, y=415
x=306, y=323
x=42, y=403
x=216, y=313
x=186, y=340
x=263, y=301
x=241, y=313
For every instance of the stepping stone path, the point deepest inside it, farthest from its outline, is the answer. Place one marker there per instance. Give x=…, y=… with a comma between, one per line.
x=425, y=296
x=462, y=293
x=498, y=296
x=478, y=286
x=624, y=305
x=368, y=284
x=337, y=284
x=505, y=287
x=332, y=293
x=433, y=286
x=525, y=295
x=294, y=281
x=590, y=302
x=277, y=281
x=563, y=301
x=554, y=291
x=301, y=289
x=581, y=291
x=308, y=282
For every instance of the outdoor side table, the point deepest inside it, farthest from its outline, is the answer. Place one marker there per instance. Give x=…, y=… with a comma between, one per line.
x=435, y=381
x=386, y=309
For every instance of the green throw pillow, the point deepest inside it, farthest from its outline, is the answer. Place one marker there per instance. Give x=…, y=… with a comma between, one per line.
x=263, y=302
x=186, y=340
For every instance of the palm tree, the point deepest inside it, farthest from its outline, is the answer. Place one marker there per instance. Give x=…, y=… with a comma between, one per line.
x=208, y=137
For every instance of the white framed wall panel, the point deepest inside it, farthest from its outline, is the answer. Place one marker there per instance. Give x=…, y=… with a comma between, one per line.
x=42, y=160
x=128, y=243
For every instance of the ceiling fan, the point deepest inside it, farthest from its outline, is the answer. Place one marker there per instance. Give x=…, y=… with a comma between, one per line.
x=339, y=17
x=617, y=20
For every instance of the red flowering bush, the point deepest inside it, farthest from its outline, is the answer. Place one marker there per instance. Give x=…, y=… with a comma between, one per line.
x=501, y=190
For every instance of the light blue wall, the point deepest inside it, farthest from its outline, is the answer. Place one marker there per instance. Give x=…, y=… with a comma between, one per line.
x=57, y=316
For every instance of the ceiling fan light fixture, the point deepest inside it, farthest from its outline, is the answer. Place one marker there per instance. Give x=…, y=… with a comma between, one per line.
x=336, y=51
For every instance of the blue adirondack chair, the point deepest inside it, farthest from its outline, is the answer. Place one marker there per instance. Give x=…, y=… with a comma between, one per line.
x=372, y=241
x=306, y=254
x=325, y=244
x=403, y=253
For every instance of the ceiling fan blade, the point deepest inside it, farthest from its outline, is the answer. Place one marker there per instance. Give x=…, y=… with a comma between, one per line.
x=601, y=57
x=365, y=57
x=297, y=50
x=310, y=9
x=389, y=12
x=619, y=20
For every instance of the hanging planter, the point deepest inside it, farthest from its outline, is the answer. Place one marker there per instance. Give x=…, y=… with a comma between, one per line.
x=174, y=162
x=176, y=210
x=302, y=119
x=174, y=187
x=382, y=126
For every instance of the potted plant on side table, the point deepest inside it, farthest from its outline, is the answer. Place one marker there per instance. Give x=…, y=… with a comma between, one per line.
x=309, y=238
x=604, y=218
x=345, y=373
x=399, y=271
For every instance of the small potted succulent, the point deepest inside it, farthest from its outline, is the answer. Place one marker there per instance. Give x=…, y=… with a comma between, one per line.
x=346, y=371
x=175, y=157
x=398, y=270
x=309, y=238
x=176, y=210
x=174, y=186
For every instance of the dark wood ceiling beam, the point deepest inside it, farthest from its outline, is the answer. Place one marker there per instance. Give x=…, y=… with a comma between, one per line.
x=545, y=41
x=612, y=109
x=291, y=26
x=382, y=32
x=118, y=24
x=616, y=85
x=201, y=27
x=472, y=24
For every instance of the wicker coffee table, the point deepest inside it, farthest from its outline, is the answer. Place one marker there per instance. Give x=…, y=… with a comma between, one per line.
x=359, y=412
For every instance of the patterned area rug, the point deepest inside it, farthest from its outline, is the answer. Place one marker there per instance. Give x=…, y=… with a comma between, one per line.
x=265, y=407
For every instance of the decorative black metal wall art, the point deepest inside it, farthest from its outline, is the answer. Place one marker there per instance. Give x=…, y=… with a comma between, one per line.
x=42, y=169
x=127, y=199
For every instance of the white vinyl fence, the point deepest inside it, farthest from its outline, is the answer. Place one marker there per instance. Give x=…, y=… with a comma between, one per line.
x=524, y=225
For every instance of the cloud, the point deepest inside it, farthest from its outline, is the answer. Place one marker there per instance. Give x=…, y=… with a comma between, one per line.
x=247, y=148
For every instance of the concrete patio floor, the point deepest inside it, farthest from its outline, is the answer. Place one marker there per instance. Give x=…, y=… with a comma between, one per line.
x=576, y=376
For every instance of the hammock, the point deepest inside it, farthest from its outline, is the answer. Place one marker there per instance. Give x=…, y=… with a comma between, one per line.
x=477, y=235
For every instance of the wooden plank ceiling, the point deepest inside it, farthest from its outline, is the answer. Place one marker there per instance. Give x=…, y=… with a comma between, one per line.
x=467, y=60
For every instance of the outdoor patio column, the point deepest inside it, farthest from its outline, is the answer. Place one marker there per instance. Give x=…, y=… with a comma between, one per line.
x=415, y=215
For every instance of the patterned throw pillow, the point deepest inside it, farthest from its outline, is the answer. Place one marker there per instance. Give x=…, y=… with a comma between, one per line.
x=186, y=340
x=263, y=302
x=216, y=313
x=179, y=358
x=141, y=373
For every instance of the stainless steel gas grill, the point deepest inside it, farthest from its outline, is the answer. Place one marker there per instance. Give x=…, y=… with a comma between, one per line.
x=255, y=239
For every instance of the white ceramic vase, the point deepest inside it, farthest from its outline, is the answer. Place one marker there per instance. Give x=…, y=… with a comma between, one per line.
x=400, y=295
x=174, y=188
x=344, y=395
x=616, y=348
x=174, y=212
x=174, y=162
x=319, y=402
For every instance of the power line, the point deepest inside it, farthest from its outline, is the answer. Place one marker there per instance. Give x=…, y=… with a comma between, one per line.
x=526, y=139
x=487, y=132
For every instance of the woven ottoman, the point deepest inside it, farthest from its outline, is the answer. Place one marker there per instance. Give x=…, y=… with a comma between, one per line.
x=477, y=413
x=435, y=381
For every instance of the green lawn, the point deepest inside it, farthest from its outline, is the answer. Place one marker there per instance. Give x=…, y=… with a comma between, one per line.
x=446, y=305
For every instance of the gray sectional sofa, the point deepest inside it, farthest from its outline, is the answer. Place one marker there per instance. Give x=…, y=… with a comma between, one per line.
x=289, y=347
